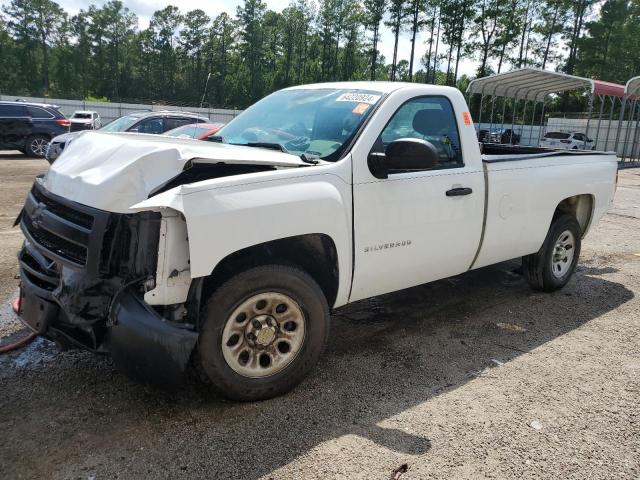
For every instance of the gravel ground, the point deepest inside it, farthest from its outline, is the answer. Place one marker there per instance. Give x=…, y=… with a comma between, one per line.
x=475, y=376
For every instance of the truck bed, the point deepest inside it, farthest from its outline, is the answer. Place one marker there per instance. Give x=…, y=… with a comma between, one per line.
x=492, y=153
x=524, y=186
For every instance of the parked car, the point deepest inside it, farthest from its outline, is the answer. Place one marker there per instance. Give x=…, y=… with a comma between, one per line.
x=505, y=136
x=29, y=127
x=483, y=135
x=567, y=140
x=198, y=131
x=85, y=120
x=139, y=122
x=164, y=251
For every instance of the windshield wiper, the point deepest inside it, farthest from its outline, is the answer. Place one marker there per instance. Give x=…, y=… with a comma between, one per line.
x=310, y=159
x=216, y=138
x=269, y=145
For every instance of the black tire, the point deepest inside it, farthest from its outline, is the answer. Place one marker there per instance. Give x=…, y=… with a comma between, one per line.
x=538, y=267
x=34, y=146
x=217, y=310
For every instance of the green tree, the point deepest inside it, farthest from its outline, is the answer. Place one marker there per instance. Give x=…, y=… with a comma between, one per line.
x=579, y=11
x=486, y=23
x=398, y=11
x=553, y=20
x=374, y=11
x=192, y=40
x=250, y=21
x=609, y=50
x=164, y=24
x=416, y=10
x=219, y=49
x=34, y=25
x=9, y=80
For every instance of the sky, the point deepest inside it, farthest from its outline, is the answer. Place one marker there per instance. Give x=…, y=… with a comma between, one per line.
x=144, y=10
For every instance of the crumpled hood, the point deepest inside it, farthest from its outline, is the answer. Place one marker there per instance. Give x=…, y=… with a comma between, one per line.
x=113, y=171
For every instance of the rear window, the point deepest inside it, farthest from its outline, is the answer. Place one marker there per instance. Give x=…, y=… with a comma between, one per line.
x=557, y=135
x=174, y=122
x=37, y=112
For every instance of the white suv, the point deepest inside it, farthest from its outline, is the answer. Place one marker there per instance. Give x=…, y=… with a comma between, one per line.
x=85, y=120
x=567, y=140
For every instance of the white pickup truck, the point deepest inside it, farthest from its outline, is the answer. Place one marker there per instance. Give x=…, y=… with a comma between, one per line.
x=229, y=256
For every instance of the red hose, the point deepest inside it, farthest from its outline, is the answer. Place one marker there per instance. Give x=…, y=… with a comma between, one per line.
x=23, y=341
x=20, y=343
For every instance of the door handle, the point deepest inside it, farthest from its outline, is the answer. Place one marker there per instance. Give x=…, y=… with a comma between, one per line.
x=457, y=192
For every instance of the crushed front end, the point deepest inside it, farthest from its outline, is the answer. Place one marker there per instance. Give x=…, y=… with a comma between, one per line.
x=84, y=273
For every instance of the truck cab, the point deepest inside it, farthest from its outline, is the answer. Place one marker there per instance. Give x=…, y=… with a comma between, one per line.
x=229, y=256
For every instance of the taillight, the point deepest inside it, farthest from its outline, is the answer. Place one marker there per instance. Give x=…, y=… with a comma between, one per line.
x=63, y=122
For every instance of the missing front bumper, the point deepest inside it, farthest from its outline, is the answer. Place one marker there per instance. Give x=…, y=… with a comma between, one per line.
x=143, y=345
x=147, y=347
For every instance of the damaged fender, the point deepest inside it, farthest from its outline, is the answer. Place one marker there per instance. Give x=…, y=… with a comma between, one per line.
x=226, y=215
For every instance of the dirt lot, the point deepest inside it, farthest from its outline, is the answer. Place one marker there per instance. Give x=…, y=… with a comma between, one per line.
x=473, y=376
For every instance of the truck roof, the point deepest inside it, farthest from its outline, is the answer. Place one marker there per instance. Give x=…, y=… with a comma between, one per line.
x=382, y=87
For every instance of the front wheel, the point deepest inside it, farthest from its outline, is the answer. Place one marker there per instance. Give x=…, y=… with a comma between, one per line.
x=262, y=332
x=552, y=266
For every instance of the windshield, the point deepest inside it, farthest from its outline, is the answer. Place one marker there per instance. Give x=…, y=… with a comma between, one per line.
x=187, y=131
x=318, y=122
x=83, y=116
x=121, y=124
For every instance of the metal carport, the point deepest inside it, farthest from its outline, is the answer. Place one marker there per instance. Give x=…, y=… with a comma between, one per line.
x=629, y=148
x=534, y=85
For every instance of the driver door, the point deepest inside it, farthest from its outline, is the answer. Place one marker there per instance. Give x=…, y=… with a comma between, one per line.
x=420, y=225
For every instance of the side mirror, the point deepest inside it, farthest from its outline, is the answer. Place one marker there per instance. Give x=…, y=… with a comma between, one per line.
x=403, y=154
x=411, y=154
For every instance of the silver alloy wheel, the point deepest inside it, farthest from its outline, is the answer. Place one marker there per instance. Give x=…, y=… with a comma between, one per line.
x=563, y=252
x=39, y=146
x=263, y=335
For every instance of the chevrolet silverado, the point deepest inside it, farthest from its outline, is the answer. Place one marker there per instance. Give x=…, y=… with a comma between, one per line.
x=228, y=257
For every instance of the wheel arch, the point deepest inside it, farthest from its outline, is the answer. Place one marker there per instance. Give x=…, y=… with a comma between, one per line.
x=581, y=207
x=315, y=253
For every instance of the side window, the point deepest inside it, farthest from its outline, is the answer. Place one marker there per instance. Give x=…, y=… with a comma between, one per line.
x=12, y=111
x=150, y=125
x=174, y=122
x=38, y=113
x=426, y=118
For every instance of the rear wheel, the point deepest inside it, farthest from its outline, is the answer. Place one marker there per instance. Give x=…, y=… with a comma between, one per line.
x=36, y=146
x=552, y=266
x=262, y=332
